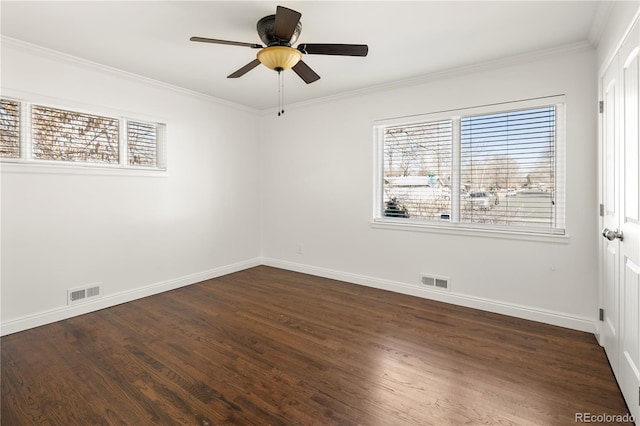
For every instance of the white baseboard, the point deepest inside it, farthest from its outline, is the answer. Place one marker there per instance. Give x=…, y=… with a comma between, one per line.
x=484, y=304
x=519, y=311
x=64, y=312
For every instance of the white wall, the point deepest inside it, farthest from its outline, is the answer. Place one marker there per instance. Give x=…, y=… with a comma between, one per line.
x=135, y=234
x=317, y=190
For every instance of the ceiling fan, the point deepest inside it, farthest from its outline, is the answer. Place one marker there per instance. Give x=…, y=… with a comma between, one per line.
x=279, y=32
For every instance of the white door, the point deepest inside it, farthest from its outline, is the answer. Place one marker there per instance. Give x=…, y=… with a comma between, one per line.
x=610, y=183
x=629, y=327
x=620, y=293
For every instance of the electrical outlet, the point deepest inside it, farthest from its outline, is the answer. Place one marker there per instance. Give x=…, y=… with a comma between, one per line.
x=300, y=248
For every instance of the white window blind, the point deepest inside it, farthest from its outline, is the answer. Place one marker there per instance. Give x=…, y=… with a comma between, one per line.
x=142, y=144
x=417, y=171
x=73, y=136
x=9, y=129
x=509, y=159
x=494, y=167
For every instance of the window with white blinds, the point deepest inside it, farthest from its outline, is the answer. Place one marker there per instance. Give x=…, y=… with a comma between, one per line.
x=62, y=135
x=55, y=135
x=9, y=129
x=142, y=144
x=417, y=170
x=511, y=158
x=498, y=167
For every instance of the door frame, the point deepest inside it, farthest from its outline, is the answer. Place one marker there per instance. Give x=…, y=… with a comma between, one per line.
x=628, y=385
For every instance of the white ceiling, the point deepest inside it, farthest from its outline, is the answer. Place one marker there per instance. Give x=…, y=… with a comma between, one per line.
x=406, y=39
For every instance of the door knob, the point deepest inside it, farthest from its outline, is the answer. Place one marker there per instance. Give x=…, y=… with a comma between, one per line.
x=612, y=235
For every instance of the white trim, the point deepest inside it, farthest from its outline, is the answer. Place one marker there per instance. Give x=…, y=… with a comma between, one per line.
x=443, y=75
x=123, y=145
x=106, y=301
x=378, y=181
x=495, y=108
x=26, y=138
x=76, y=168
x=43, y=51
x=378, y=88
x=559, y=319
x=468, y=230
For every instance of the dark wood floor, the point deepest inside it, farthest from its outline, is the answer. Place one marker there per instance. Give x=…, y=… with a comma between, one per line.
x=267, y=346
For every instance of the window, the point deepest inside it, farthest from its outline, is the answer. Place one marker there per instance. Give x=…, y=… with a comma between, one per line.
x=9, y=129
x=496, y=167
x=72, y=136
x=141, y=144
x=417, y=170
x=54, y=135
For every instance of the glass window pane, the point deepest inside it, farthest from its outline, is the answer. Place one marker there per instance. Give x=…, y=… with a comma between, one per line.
x=9, y=129
x=73, y=136
x=142, y=144
x=417, y=171
x=507, y=168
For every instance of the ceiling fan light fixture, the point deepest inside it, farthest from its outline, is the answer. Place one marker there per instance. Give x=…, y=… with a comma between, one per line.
x=279, y=58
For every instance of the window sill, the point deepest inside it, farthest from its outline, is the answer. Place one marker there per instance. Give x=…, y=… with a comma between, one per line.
x=9, y=166
x=466, y=230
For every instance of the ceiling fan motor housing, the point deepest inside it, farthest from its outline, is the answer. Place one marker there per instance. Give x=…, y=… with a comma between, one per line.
x=267, y=31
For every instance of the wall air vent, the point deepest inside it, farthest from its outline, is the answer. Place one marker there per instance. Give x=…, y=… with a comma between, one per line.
x=436, y=282
x=430, y=281
x=78, y=294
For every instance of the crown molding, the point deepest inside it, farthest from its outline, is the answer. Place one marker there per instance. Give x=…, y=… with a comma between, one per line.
x=392, y=85
x=95, y=66
x=446, y=74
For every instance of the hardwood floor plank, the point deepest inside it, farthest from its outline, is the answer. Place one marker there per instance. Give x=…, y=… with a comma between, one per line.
x=268, y=346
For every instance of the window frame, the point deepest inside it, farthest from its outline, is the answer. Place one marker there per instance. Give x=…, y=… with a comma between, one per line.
x=556, y=234
x=27, y=163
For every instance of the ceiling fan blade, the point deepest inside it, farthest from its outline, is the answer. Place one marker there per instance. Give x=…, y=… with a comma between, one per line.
x=242, y=71
x=334, y=49
x=232, y=43
x=286, y=22
x=305, y=73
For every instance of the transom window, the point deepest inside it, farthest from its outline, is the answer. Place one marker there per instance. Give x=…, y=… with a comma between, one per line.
x=38, y=133
x=9, y=129
x=61, y=135
x=498, y=166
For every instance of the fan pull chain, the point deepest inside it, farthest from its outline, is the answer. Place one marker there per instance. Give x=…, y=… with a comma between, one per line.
x=280, y=93
x=282, y=85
